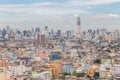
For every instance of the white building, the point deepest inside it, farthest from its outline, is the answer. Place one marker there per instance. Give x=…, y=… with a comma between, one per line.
x=18, y=70
x=46, y=75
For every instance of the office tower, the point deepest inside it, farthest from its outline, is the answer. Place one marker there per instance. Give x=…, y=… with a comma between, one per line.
x=97, y=31
x=32, y=30
x=109, y=36
x=29, y=33
x=46, y=27
x=25, y=33
x=117, y=34
x=89, y=34
x=90, y=31
x=4, y=32
x=46, y=31
x=52, y=31
x=18, y=32
x=84, y=33
x=8, y=30
x=0, y=30
x=78, y=27
x=37, y=30
x=102, y=32
x=58, y=33
x=38, y=38
x=94, y=32
x=68, y=34
x=41, y=39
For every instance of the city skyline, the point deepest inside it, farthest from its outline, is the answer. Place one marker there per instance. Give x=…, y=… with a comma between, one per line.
x=60, y=14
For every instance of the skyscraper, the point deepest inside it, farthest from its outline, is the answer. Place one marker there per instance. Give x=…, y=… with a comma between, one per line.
x=59, y=33
x=46, y=31
x=4, y=32
x=68, y=34
x=78, y=27
x=37, y=30
x=8, y=30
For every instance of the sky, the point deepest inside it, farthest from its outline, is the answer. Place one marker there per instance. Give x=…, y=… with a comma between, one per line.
x=60, y=14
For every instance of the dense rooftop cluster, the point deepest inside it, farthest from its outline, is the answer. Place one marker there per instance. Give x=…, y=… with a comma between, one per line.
x=43, y=55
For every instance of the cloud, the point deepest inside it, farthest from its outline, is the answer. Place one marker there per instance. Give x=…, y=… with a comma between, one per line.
x=104, y=16
x=91, y=2
x=98, y=2
x=113, y=15
x=69, y=7
x=53, y=13
x=44, y=8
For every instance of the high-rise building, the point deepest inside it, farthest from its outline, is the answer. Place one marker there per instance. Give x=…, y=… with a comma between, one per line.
x=69, y=33
x=117, y=34
x=52, y=31
x=109, y=36
x=97, y=31
x=58, y=33
x=37, y=29
x=32, y=30
x=78, y=27
x=41, y=39
x=46, y=31
x=25, y=33
x=4, y=32
x=8, y=30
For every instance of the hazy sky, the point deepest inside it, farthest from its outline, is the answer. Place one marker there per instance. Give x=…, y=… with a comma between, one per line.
x=60, y=14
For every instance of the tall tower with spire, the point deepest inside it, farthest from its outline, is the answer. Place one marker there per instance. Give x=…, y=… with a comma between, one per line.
x=78, y=27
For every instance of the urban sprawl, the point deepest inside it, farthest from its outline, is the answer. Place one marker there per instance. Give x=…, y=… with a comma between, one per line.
x=36, y=54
